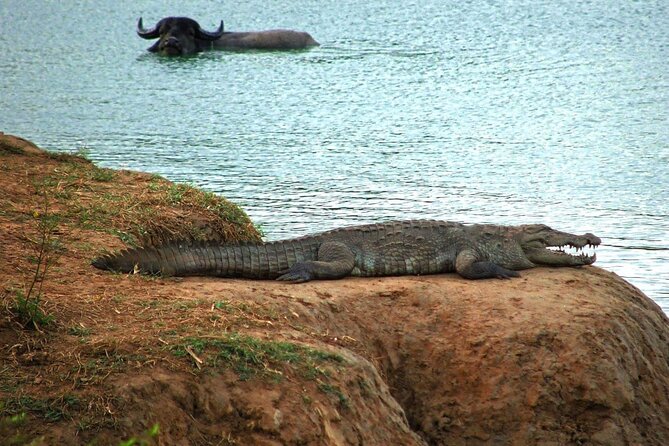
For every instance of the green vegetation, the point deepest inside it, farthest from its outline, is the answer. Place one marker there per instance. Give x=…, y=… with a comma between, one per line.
x=329, y=389
x=49, y=409
x=135, y=223
x=125, y=237
x=83, y=152
x=258, y=227
x=78, y=157
x=7, y=149
x=102, y=175
x=79, y=331
x=176, y=192
x=184, y=193
x=250, y=356
x=128, y=204
x=224, y=306
x=28, y=311
x=244, y=308
x=147, y=438
x=10, y=430
x=12, y=426
x=94, y=370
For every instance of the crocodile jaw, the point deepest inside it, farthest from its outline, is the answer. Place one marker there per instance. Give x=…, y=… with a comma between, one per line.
x=545, y=256
x=546, y=246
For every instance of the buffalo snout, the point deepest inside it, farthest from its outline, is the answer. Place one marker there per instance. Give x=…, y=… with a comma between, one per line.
x=171, y=45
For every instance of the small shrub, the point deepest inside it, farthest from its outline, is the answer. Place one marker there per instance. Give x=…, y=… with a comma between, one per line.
x=27, y=305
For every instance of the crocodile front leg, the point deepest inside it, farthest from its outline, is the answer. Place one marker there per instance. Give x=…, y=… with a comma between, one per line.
x=468, y=266
x=335, y=260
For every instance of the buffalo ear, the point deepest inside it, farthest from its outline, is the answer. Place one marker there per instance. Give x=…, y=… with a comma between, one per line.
x=154, y=48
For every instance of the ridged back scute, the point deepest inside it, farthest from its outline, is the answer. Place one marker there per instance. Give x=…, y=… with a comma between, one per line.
x=398, y=227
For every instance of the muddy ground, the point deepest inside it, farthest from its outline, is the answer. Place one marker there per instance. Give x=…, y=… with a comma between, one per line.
x=558, y=356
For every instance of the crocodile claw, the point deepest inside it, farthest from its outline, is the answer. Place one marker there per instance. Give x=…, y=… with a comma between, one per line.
x=298, y=273
x=506, y=274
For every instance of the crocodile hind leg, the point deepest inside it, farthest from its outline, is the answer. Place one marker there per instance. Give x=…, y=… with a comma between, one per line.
x=469, y=267
x=335, y=260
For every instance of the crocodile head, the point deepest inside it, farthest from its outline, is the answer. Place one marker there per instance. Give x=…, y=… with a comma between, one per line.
x=545, y=246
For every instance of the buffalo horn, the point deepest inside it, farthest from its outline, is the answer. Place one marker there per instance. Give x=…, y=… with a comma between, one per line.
x=152, y=33
x=207, y=35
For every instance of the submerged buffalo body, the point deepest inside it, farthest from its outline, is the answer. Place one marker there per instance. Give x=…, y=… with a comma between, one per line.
x=181, y=35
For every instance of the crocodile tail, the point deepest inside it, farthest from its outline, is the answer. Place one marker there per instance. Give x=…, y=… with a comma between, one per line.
x=145, y=260
x=253, y=261
x=172, y=259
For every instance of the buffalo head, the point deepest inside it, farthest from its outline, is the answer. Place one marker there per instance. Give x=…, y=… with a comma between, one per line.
x=178, y=36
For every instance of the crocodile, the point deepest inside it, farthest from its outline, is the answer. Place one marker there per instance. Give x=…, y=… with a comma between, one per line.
x=407, y=247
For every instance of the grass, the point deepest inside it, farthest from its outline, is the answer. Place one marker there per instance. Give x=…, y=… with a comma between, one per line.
x=49, y=409
x=11, y=430
x=94, y=369
x=148, y=437
x=176, y=192
x=100, y=174
x=242, y=309
x=128, y=204
x=28, y=311
x=6, y=149
x=250, y=356
x=224, y=306
x=12, y=426
x=82, y=152
x=11, y=145
x=79, y=331
x=329, y=389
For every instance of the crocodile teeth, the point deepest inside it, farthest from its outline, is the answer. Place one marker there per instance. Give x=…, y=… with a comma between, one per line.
x=572, y=250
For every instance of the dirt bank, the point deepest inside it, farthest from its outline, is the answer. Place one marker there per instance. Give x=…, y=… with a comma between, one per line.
x=558, y=356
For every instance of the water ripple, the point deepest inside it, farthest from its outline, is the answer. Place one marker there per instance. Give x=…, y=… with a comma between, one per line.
x=497, y=112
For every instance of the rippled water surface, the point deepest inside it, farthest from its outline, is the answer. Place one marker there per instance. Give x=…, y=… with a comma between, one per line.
x=504, y=112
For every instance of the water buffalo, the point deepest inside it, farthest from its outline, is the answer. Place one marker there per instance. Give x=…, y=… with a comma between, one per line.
x=181, y=35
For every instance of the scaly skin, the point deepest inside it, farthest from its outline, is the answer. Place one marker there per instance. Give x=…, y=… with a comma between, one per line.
x=385, y=249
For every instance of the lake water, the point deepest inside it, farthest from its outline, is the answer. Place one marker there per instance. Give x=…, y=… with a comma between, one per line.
x=503, y=112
